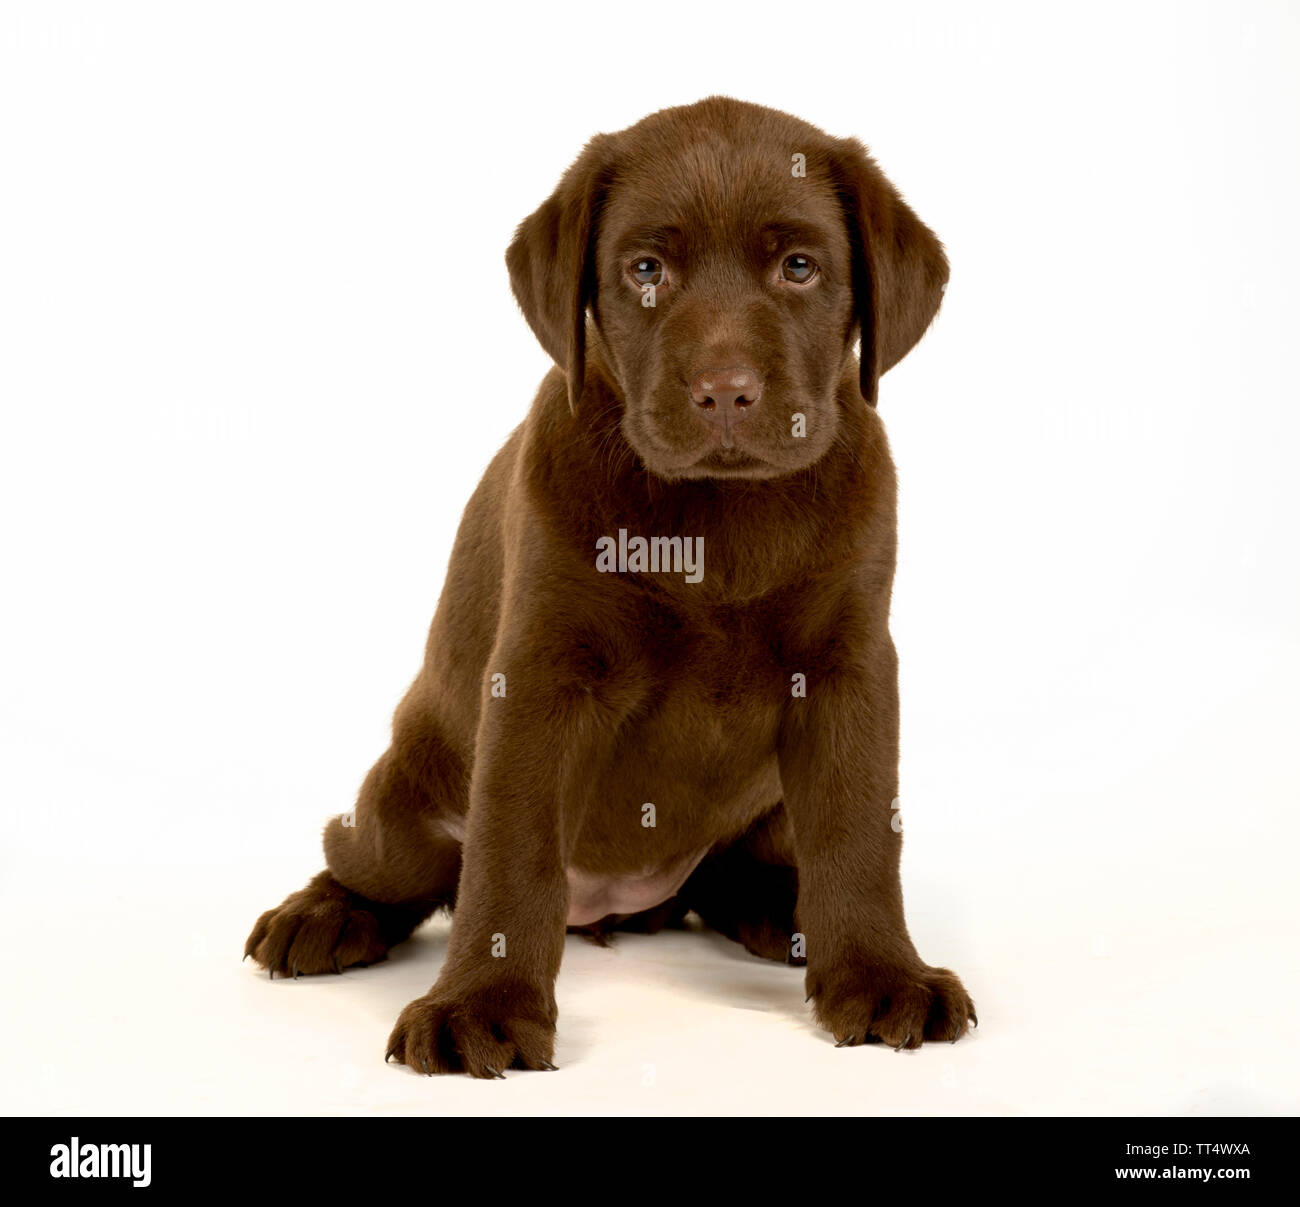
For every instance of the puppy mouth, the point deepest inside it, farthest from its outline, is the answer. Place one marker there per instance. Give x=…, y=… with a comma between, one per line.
x=721, y=459
x=719, y=462
x=738, y=453
x=714, y=459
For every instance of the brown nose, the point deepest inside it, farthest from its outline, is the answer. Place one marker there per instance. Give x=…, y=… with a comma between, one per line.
x=726, y=396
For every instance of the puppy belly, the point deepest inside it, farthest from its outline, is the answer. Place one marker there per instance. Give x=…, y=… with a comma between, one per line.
x=593, y=896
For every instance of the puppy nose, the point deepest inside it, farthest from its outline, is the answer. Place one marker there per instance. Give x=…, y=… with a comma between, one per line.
x=726, y=396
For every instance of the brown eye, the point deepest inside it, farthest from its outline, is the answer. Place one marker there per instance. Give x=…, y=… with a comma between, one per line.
x=799, y=269
x=647, y=271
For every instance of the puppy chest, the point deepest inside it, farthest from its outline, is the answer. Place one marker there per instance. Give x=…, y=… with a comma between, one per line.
x=682, y=775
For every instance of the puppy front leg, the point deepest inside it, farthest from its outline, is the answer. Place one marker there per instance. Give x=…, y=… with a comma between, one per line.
x=493, y=1005
x=839, y=772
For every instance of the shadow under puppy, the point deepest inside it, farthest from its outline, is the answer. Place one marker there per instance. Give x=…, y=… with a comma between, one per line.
x=660, y=676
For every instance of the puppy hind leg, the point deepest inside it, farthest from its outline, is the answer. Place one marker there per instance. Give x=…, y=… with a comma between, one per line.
x=401, y=843
x=748, y=891
x=392, y=861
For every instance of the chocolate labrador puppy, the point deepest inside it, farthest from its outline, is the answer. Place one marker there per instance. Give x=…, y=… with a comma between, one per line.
x=660, y=676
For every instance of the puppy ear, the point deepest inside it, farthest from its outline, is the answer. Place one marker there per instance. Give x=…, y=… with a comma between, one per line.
x=551, y=261
x=899, y=267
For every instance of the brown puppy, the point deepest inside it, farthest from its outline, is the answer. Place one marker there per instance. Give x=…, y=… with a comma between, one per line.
x=660, y=677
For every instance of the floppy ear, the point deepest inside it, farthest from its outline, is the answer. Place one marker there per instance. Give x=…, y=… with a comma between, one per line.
x=899, y=268
x=551, y=261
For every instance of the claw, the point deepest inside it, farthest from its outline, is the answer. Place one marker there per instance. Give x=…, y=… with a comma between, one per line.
x=270, y=972
x=904, y=1044
x=848, y=1039
x=550, y=1068
x=807, y=999
x=389, y=1054
x=495, y=1072
x=975, y=1022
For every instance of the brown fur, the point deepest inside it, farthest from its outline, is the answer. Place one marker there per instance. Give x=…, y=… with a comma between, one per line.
x=629, y=688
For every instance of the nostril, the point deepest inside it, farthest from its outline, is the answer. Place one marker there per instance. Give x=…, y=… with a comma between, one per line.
x=733, y=390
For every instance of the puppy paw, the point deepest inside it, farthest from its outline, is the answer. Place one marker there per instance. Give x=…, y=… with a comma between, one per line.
x=878, y=1002
x=480, y=1032
x=321, y=928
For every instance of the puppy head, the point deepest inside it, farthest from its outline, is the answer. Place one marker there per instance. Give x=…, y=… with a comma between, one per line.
x=729, y=255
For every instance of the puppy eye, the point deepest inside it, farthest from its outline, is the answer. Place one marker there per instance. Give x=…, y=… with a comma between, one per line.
x=799, y=269
x=647, y=271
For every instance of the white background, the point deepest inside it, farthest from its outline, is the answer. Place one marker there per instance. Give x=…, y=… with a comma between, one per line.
x=257, y=344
